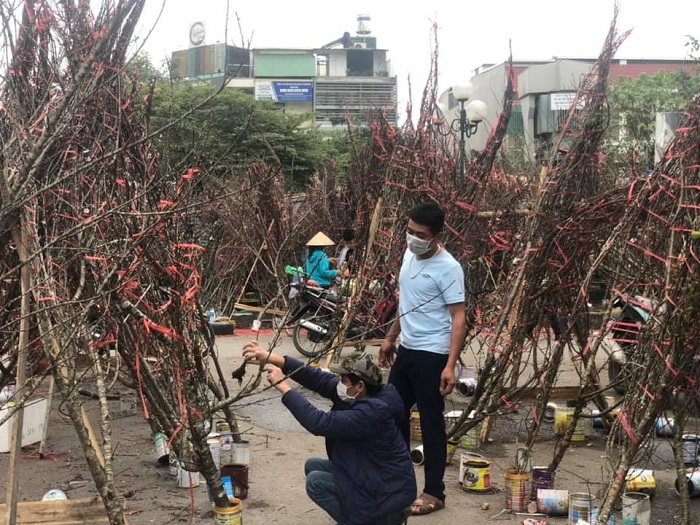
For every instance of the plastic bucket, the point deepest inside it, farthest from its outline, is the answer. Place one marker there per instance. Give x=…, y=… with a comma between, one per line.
x=416, y=434
x=690, y=444
x=239, y=479
x=477, y=475
x=240, y=453
x=692, y=484
x=162, y=451
x=643, y=481
x=542, y=478
x=229, y=516
x=553, y=502
x=636, y=508
x=580, y=507
x=517, y=490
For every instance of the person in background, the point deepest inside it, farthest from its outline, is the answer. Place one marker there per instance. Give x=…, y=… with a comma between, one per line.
x=318, y=264
x=345, y=263
x=432, y=323
x=370, y=478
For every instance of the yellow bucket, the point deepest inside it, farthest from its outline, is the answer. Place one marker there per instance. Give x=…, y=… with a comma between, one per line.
x=451, y=448
x=477, y=475
x=416, y=434
x=232, y=515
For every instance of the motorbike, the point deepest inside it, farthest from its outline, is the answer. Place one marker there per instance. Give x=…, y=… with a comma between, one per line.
x=629, y=315
x=317, y=313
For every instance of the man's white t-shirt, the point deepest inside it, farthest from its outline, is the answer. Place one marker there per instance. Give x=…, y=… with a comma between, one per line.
x=426, y=288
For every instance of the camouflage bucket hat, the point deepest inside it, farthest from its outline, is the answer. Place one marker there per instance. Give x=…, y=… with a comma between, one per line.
x=360, y=364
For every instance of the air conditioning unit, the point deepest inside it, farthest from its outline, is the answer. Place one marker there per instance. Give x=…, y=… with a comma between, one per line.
x=359, y=45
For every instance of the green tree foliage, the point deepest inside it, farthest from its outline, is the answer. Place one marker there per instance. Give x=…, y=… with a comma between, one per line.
x=634, y=103
x=232, y=131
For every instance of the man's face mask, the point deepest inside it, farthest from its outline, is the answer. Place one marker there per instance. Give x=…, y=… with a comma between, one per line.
x=416, y=245
x=342, y=391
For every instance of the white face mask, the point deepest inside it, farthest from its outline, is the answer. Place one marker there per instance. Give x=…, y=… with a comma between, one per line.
x=342, y=391
x=417, y=246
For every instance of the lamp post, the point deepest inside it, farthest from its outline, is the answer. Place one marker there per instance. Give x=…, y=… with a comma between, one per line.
x=468, y=120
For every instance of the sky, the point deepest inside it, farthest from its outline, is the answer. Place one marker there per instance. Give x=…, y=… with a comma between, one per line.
x=469, y=34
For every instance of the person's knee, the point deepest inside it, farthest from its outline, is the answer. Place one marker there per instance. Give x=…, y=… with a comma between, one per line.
x=311, y=465
x=316, y=483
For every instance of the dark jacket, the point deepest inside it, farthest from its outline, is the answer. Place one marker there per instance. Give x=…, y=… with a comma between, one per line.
x=372, y=467
x=318, y=266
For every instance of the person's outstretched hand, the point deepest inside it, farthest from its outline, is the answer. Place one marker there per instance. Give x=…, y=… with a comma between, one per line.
x=275, y=377
x=255, y=354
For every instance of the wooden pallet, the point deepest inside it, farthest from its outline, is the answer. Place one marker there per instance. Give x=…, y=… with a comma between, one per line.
x=86, y=511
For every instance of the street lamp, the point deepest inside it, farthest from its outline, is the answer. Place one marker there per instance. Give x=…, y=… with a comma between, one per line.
x=469, y=118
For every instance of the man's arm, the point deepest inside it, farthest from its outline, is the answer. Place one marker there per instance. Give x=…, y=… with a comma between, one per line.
x=458, y=334
x=388, y=348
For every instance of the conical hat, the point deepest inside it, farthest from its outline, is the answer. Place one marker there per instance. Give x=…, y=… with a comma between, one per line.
x=320, y=239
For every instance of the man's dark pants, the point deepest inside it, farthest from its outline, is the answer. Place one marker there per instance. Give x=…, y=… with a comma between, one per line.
x=416, y=376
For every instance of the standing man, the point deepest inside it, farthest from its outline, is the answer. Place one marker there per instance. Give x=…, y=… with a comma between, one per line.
x=432, y=324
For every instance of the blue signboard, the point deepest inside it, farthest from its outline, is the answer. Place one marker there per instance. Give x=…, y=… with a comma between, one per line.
x=284, y=91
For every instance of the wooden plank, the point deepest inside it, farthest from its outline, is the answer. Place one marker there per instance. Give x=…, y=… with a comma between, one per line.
x=250, y=308
x=84, y=511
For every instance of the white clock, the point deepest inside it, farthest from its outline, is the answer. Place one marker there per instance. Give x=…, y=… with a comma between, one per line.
x=197, y=33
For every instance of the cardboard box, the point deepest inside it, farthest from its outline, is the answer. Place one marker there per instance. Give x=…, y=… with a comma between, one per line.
x=33, y=427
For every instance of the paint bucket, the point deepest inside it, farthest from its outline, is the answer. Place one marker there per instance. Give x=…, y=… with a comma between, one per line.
x=549, y=412
x=162, y=451
x=517, y=490
x=240, y=453
x=642, y=481
x=467, y=386
x=451, y=449
x=542, y=478
x=416, y=434
x=584, y=422
x=477, y=475
x=553, y=502
x=463, y=459
x=690, y=444
x=417, y=455
x=562, y=416
x=226, y=441
x=239, y=478
x=692, y=483
x=214, y=445
x=187, y=479
x=232, y=515
x=222, y=427
x=173, y=464
x=664, y=426
x=636, y=508
x=580, y=507
x=594, y=517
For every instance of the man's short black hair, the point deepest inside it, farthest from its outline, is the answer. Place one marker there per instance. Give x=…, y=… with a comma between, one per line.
x=349, y=235
x=428, y=214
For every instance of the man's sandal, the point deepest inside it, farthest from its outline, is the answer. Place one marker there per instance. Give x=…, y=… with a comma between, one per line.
x=425, y=504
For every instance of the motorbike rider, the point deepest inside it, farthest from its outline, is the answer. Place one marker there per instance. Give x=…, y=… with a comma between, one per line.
x=318, y=264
